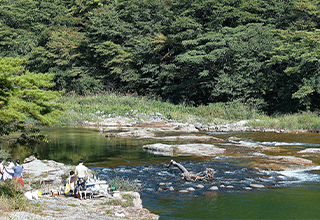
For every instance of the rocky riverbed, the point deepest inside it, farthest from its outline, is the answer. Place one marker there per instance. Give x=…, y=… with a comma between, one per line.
x=47, y=176
x=199, y=143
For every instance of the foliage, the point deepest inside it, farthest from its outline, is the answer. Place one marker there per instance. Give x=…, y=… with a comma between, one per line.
x=263, y=53
x=23, y=95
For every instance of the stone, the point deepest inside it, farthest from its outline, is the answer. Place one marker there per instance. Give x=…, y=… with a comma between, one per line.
x=162, y=184
x=183, y=191
x=214, y=188
x=310, y=151
x=200, y=186
x=191, y=189
x=29, y=159
x=247, y=188
x=257, y=185
x=170, y=188
x=229, y=187
x=185, y=149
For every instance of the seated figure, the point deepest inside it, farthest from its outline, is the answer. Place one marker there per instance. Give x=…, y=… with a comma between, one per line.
x=71, y=180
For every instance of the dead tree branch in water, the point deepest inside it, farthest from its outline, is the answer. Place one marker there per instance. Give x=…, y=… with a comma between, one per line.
x=190, y=176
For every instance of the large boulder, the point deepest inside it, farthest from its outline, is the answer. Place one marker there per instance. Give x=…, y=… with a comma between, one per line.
x=185, y=149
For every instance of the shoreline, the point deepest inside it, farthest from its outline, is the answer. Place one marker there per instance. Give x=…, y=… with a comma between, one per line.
x=68, y=207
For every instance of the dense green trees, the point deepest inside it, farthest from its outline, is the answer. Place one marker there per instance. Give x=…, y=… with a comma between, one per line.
x=265, y=53
x=25, y=94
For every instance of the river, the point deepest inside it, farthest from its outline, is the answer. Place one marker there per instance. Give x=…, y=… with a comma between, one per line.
x=288, y=194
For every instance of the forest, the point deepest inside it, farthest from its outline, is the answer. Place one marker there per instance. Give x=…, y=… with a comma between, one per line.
x=265, y=53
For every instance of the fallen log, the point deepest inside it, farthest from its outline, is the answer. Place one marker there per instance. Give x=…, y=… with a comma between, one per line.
x=190, y=176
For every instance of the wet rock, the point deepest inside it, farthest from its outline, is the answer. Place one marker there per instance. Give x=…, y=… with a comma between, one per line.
x=191, y=189
x=170, y=188
x=291, y=159
x=229, y=187
x=186, y=149
x=183, y=191
x=214, y=188
x=222, y=186
x=310, y=151
x=260, y=186
x=160, y=189
x=247, y=188
x=200, y=186
x=162, y=184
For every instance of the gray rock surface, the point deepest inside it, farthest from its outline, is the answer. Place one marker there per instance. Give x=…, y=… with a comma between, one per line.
x=185, y=149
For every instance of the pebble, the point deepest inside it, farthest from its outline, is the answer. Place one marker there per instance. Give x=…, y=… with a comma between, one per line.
x=214, y=188
x=170, y=188
x=191, y=189
x=229, y=187
x=183, y=191
x=200, y=186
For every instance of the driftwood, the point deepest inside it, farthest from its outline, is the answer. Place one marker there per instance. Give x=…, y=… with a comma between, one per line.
x=190, y=176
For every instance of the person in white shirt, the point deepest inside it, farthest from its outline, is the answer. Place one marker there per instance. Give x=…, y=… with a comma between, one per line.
x=8, y=170
x=81, y=171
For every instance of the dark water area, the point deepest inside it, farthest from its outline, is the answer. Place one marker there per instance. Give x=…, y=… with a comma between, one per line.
x=288, y=194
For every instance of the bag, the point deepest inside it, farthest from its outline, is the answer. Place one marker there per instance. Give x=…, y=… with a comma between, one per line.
x=67, y=188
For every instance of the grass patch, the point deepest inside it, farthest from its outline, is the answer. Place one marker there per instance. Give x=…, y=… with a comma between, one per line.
x=129, y=200
x=122, y=184
x=12, y=198
x=72, y=205
x=126, y=201
x=96, y=107
x=113, y=202
x=303, y=121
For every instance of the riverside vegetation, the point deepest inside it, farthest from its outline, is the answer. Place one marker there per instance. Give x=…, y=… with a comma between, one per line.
x=96, y=107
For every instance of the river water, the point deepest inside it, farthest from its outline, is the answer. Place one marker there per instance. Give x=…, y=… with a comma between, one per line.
x=288, y=194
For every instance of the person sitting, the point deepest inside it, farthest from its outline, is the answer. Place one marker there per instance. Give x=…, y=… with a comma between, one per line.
x=8, y=170
x=71, y=180
x=17, y=176
x=81, y=171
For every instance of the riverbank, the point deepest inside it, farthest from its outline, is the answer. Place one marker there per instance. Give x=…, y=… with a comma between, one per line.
x=123, y=205
x=109, y=107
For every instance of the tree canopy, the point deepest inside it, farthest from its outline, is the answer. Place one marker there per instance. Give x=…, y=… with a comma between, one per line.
x=25, y=94
x=265, y=53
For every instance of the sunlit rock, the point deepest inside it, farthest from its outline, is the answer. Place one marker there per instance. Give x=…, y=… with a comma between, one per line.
x=260, y=186
x=191, y=189
x=200, y=186
x=185, y=149
x=214, y=188
x=310, y=151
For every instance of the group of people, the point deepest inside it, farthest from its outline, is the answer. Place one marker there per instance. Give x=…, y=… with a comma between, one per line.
x=11, y=171
x=77, y=180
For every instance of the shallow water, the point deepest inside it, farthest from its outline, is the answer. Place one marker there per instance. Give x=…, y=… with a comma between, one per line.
x=289, y=194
